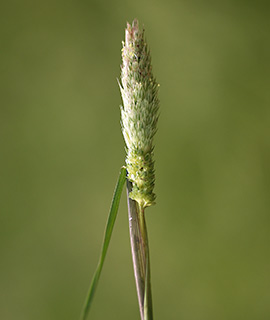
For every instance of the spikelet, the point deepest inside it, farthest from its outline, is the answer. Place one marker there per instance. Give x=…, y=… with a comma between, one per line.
x=139, y=114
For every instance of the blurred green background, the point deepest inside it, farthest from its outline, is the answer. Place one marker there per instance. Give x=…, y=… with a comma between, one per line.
x=61, y=150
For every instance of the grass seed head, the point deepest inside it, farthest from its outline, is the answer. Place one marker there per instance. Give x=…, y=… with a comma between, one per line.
x=139, y=113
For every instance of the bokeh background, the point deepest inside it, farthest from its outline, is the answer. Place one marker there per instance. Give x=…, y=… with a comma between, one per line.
x=61, y=151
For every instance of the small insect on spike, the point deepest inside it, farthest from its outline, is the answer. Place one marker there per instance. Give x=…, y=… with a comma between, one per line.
x=139, y=114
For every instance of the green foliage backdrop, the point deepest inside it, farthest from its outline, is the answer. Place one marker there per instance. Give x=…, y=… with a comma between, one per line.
x=61, y=151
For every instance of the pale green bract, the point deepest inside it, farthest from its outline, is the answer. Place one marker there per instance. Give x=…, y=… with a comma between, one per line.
x=139, y=114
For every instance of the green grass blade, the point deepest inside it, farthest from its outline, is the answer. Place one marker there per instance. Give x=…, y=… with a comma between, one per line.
x=106, y=241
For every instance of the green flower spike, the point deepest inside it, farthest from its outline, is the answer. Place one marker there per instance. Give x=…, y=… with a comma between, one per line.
x=139, y=114
x=139, y=124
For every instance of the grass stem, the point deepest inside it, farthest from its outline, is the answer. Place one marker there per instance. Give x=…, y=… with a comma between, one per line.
x=140, y=255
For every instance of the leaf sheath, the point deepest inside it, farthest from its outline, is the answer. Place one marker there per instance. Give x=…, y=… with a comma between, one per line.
x=140, y=256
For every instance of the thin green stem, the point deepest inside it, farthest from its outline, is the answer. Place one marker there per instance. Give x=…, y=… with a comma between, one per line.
x=140, y=256
x=148, y=310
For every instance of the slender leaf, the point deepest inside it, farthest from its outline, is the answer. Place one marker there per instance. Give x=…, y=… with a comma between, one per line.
x=106, y=241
